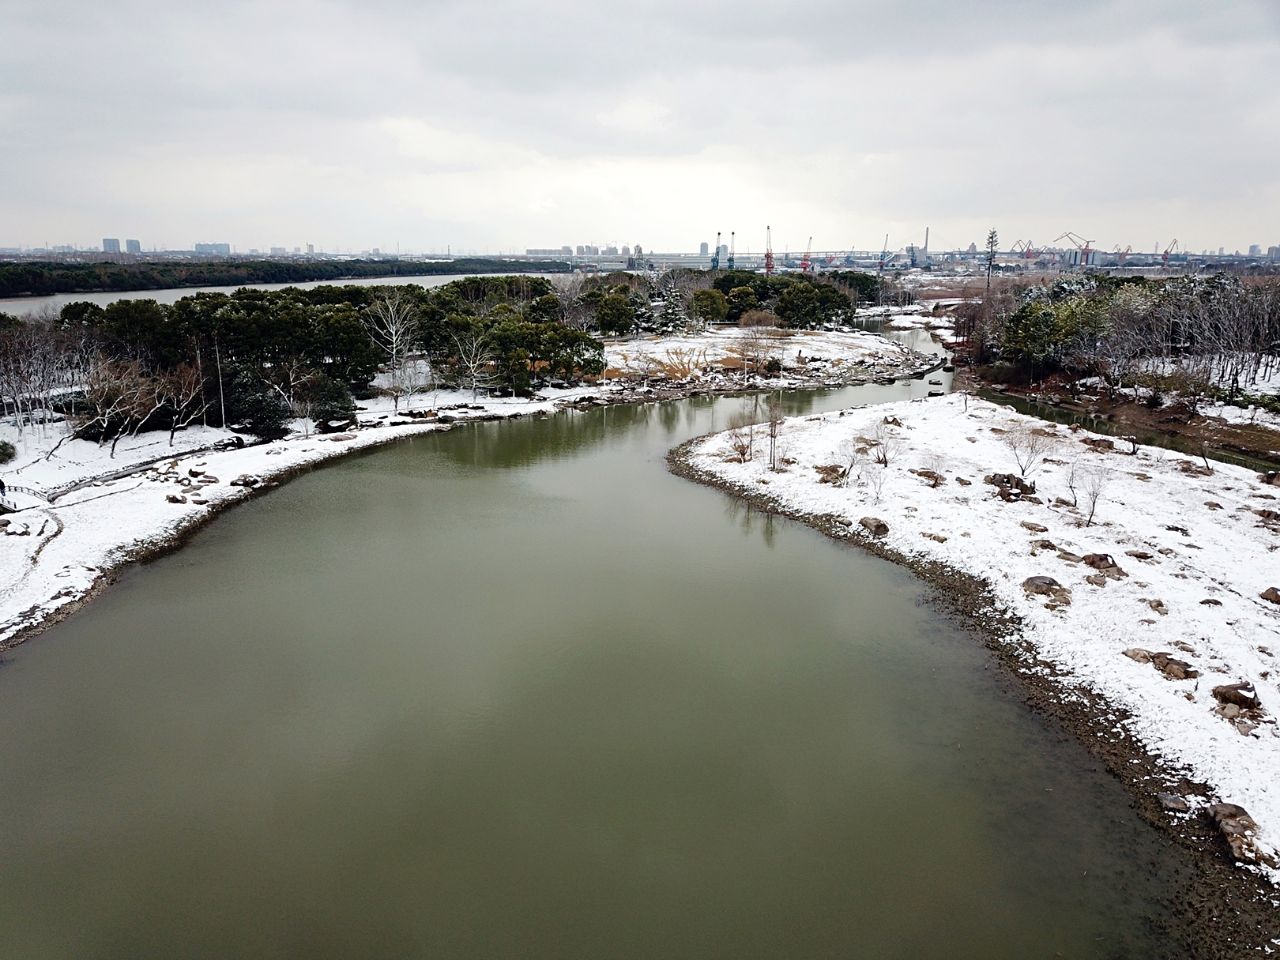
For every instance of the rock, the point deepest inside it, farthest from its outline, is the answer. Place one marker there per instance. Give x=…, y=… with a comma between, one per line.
x=963, y=482
x=1272, y=594
x=1237, y=828
x=1043, y=545
x=1069, y=557
x=1172, y=668
x=1213, y=505
x=1138, y=554
x=1210, y=602
x=936, y=537
x=1104, y=564
x=174, y=498
x=1059, y=596
x=1035, y=527
x=1228, y=711
x=1159, y=607
x=1268, y=515
x=245, y=480
x=1098, y=443
x=1173, y=802
x=874, y=526
x=195, y=473
x=1241, y=694
x=1097, y=579
x=1138, y=654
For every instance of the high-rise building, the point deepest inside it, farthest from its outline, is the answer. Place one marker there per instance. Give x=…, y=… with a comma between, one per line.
x=626, y=251
x=311, y=249
x=214, y=249
x=1273, y=253
x=132, y=246
x=704, y=249
x=1255, y=249
x=110, y=245
x=277, y=251
x=580, y=250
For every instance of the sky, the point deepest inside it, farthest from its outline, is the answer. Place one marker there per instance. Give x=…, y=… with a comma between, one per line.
x=428, y=126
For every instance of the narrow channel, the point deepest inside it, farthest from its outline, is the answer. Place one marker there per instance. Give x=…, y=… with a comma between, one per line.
x=516, y=691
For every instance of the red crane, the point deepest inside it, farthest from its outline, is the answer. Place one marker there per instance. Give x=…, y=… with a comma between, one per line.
x=1081, y=244
x=1171, y=248
x=806, y=264
x=768, y=251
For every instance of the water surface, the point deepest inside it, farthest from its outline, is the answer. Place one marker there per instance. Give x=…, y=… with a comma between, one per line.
x=516, y=691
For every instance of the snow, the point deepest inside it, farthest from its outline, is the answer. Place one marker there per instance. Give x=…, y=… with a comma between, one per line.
x=1204, y=534
x=83, y=512
x=635, y=357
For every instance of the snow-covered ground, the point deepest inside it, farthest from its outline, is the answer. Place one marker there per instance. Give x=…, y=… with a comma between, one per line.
x=83, y=512
x=852, y=351
x=1194, y=551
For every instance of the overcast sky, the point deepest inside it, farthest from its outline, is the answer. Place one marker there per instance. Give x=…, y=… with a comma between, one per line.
x=502, y=125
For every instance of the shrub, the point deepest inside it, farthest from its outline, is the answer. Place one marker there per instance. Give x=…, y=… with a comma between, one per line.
x=7, y=451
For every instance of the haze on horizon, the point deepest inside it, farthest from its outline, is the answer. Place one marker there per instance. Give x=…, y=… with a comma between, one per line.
x=353, y=125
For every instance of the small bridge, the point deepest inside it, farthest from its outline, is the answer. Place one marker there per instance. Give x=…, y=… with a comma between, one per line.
x=25, y=498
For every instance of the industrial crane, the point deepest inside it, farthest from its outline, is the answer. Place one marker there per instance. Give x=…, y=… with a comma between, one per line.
x=1122, y=255
x=884, y=255
x=768, y=251
x=715, y=254
x=806, y=264
x=1171, y=248
x=1081, y=244
x=731, y=248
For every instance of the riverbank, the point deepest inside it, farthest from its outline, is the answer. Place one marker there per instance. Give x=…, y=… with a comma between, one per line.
x=1247, y=432
x=86, y=514
x=1152, y=716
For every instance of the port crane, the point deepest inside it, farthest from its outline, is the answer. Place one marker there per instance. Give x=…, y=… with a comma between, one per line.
x=1171, y=248
x=715, y=254
x=884, y=256
x=806, y=263
x=1081, y=244
x=732, y=234
x=768, y=251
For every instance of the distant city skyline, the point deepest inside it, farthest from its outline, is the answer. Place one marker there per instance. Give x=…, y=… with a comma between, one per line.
x=352, y=126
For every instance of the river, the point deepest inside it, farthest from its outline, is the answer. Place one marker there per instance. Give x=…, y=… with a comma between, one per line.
x=21, y=306
x=516, y=691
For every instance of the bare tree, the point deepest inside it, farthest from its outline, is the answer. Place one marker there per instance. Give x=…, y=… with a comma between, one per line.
x=183, y=388
x=1095, y=479
x=742, y=437
x=776, y=418
x=1029, y=446
x=886, y=444
x=473, y=360
x=394, y=326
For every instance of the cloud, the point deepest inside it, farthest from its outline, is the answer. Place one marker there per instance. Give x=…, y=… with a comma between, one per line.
x=510, y=124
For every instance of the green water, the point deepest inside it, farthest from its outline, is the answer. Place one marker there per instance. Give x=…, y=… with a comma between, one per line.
x=516, y=691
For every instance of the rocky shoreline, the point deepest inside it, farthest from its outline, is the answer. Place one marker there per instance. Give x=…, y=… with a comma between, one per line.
x=1222, y=912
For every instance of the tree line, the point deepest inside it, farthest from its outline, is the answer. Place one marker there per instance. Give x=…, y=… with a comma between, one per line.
x=39, y=278
x=256, y=359
x=1198, y=335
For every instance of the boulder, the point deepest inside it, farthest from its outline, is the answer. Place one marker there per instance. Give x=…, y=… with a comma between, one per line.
x=1104, y=564
x=1159, y=607
x=1272, y=594
x=1210, y=602
x=1173, y=669
x=1138, y=654
x=1047, y=587
x=1138, y=554
x=174, y=498
x=1238, y=829
x=1173, y=802
x=245, y=480
x=1241, y=694
x=1035, y=527
x=874, y=526
x=1069, y=557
